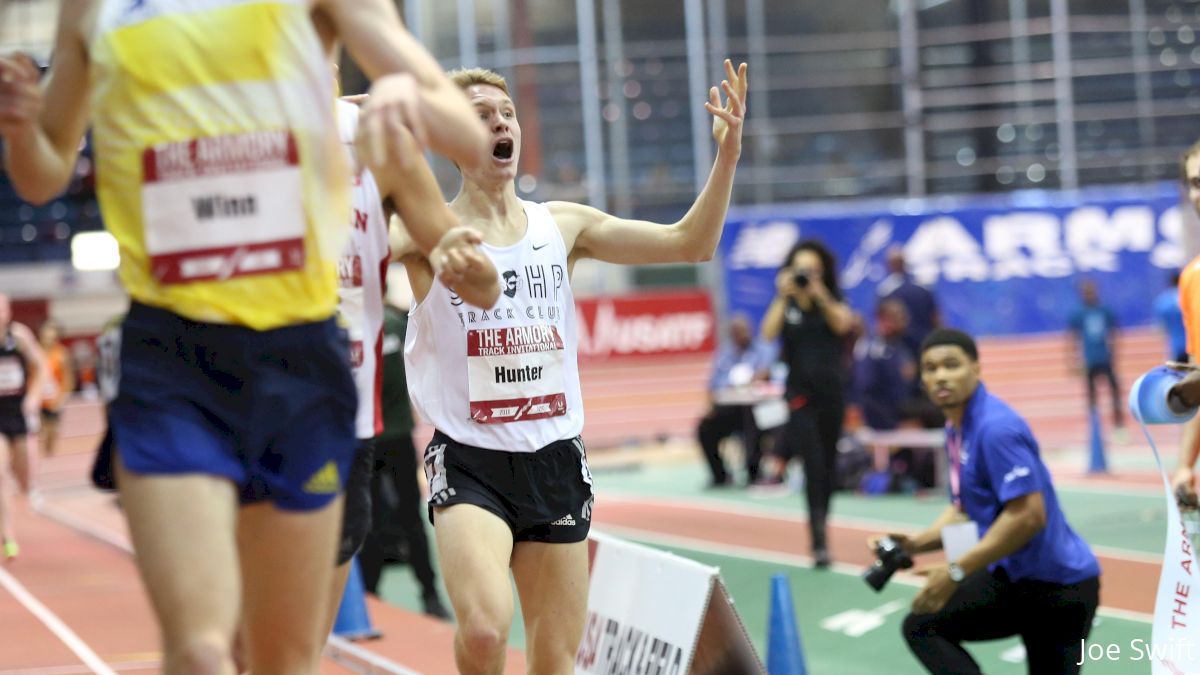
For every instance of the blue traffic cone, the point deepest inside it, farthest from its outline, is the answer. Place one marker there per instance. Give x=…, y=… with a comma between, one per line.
x=353, y=622
x=784, y=654
x=1098, y=463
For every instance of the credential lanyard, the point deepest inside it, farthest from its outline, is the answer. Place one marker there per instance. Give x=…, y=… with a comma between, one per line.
x=954, y=449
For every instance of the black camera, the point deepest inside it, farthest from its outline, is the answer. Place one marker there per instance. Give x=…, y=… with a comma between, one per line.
x=800, y=279
x=890, y=556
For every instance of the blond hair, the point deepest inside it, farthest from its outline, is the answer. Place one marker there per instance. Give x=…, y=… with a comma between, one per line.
x=466, y=77
x=1183, y=160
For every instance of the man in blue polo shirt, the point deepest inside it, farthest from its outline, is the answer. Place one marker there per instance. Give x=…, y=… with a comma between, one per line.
x=1015, y=566
x=1094, y=332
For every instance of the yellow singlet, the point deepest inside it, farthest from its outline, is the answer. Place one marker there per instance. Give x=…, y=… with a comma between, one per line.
x=219, y=168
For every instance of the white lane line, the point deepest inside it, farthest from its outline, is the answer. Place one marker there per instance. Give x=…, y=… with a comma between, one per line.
x=83, y=670
x=45, y=508
x=350, y=655
x=50, y=620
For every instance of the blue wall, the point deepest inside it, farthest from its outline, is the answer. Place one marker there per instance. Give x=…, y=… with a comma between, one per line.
x=998, y=265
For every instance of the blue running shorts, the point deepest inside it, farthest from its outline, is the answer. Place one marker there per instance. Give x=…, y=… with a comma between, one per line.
x=273, y=411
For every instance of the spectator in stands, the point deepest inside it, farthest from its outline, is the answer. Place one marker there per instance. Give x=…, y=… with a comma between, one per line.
x=1015, y=566
x=883, y=368
x=1094, y=329
x=808, y=311
x=919, y=302
x=739, y=362
x=397, y=526
x=58, y=385
x=1170, y=316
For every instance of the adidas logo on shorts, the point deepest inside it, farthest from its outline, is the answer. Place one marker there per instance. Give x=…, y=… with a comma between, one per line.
x=566, y=520
x=325, y=480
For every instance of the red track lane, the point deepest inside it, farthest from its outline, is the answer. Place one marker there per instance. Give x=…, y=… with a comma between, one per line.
x=93, y=588
x=103, y=601
x=26, y=642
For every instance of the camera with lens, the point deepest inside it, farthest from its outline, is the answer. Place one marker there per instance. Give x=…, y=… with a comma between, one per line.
x=800, y=279
x=889, y=557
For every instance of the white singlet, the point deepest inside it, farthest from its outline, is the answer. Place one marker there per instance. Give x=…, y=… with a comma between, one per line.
x=362, y=271
x=505, y=378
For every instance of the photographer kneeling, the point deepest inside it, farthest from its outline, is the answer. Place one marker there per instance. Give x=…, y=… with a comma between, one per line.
x=1016, y=567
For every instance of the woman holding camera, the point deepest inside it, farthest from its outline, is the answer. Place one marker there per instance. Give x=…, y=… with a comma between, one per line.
x=809, y=313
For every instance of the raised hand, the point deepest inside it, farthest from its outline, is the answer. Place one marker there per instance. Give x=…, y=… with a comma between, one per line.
x=728, y=118
x=20, y=95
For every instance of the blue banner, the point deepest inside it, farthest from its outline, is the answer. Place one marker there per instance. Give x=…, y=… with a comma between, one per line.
x=997, y=265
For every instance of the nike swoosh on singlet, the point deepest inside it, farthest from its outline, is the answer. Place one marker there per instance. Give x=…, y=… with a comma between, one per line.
x=536, y=248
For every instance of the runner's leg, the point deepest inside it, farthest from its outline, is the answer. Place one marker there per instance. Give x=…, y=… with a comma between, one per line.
x=552, y=580
x=475, y=548
x=48, y=435
x=7, y=532
x=287, y=560
x=21, y=462
x=355, y=525
x=183, y=532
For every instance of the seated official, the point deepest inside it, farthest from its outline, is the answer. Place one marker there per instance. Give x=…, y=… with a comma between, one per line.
x=884, y=369
x=739, y=362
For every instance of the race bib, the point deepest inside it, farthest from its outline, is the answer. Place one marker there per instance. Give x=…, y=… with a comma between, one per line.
x=12, y=377
x=223, y=206
x=515, y=374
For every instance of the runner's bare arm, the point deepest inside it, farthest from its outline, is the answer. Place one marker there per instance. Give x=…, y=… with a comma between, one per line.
x=416, y=266
x=43, y=124
x=432, y=227
x=413, y=191
x=378, y=41
x=694, y=237
x=481, y=290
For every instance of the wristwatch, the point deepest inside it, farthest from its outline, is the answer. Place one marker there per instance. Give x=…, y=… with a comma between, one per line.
x=956, y=572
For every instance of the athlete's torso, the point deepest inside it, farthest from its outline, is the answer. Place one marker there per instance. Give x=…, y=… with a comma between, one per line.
x=362, y=270
x=505, y=378
x=56, y=364
x=219, y=168
x=13, y=371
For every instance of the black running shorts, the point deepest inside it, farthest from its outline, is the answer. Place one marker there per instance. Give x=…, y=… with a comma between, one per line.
x=543, y=496
x=356, y=513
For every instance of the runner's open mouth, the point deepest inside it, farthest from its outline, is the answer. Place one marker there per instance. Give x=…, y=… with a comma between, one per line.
x=503, y=150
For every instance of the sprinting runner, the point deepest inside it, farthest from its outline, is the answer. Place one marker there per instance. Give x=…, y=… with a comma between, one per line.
x=22, y=374
x=58, y=384
x=508, y=476
x=222, y=177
